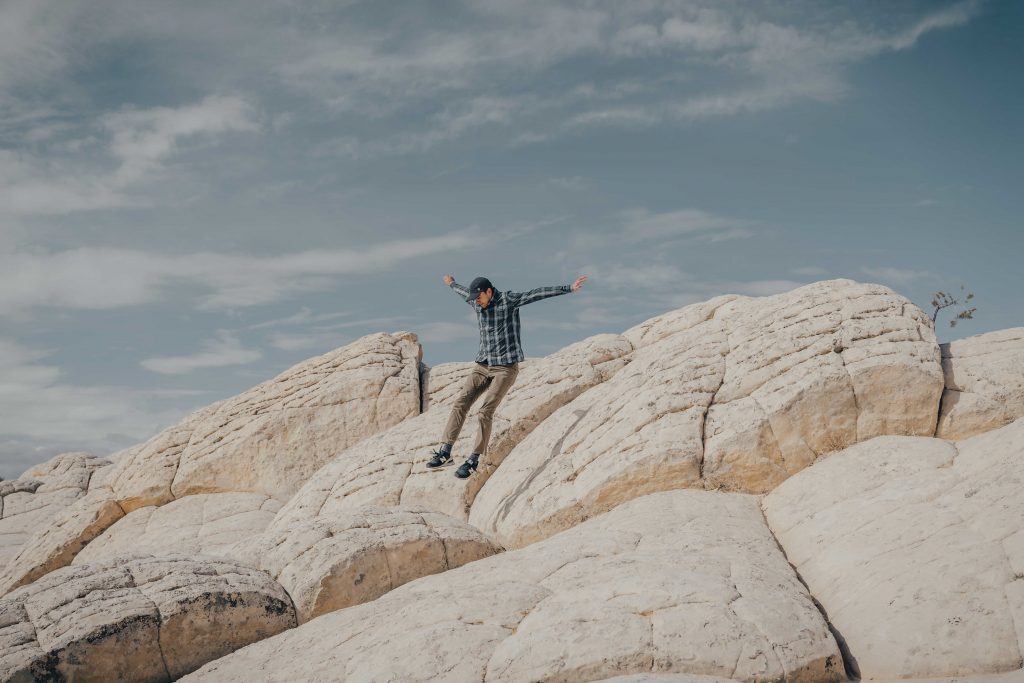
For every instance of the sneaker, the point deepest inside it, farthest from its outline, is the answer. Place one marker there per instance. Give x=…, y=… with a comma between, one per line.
x=466, y=468
x=440, y=458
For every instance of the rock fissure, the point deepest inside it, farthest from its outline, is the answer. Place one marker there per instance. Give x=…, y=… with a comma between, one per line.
x=849, y=661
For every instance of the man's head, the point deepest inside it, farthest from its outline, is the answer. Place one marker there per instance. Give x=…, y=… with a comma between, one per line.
x=481, y=290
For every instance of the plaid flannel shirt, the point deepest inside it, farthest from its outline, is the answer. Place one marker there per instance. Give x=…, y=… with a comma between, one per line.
x=499, y=322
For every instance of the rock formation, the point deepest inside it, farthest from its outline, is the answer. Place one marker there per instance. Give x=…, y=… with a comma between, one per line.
x=801, y=487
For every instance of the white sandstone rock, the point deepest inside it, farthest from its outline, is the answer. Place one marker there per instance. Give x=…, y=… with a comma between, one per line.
x=915, y=549
x=984, y=383
x=267, y=440
x=736, y=393
x=271, y=438
x=145, y=619
x=356, y=556
x=677, y=582
x=203, y=524
x=30, y=502
x=389, y=468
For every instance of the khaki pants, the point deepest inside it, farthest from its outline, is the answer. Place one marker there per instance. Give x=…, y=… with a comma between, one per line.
x=496, y=381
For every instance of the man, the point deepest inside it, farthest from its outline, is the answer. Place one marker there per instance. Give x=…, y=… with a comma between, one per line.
x=497, y=362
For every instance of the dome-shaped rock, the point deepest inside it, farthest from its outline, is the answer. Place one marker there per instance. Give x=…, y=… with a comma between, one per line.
x=356, y=556
x=915, y=549
x=144, y=619
x=984, y=383
x=683, y=581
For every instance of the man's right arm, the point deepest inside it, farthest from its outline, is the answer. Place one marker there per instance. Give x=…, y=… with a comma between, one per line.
x=459, y=289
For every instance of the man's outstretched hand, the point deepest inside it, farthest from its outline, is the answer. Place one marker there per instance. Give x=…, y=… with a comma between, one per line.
x=579, y=282
x=448, y=279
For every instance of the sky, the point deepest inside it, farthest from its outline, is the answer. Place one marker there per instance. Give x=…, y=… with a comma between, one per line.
x=195, y=196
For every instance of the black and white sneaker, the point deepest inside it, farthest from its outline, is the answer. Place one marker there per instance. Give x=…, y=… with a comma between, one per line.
x=440, y=458
x=466, y=468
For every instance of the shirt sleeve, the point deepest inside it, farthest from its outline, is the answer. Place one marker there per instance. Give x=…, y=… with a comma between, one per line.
x=523, y=298
x=461, y=291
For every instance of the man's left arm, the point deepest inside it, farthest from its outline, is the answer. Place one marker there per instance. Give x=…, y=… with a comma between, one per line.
x=523, y=298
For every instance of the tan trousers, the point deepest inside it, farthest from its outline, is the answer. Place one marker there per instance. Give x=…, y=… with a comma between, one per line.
x=496, y=380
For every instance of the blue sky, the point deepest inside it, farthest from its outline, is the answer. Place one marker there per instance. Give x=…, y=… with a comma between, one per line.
x=195, y=196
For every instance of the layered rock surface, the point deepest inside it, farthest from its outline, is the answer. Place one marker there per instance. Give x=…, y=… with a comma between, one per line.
x=145, y=619
x=734, y=393
x=267, y=440
x=271, y=438
x=30, y=502
x=984, y=378
x=203, y=524
x=915, y=549
x=356, y=556
x=389, y=468
x=684, y=581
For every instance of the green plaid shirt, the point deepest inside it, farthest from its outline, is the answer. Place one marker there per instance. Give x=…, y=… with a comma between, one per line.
x=499, y=322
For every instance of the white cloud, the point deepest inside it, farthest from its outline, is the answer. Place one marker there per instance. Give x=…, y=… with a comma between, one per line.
x=641, y=225
x=142, y=138
x=225, y=350
x=41, y=414
x=896, y=275
x=106, y=278
x=809, y=271
x=141, y=141
x=442, y=332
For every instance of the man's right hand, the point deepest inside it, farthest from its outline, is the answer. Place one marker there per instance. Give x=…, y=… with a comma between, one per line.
x=448, y=279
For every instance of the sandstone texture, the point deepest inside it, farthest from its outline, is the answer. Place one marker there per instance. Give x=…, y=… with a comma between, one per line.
x=356, y=556
x=144, y=619
x=30, y=502
x=734, y=393
x=984, y=383
x=677, y=582
x=203, y=524
x=389, y=468
x=267, y=440
x=915, y=549
x=271, y=438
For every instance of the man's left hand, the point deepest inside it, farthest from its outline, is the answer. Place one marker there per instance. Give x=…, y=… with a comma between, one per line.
x=579, y=282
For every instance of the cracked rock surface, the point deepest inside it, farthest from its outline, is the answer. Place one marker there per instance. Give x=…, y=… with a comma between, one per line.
x=144, y=619
x=677, y=582
x=915, y=549
x=389, y=468
x=30, y=502
x=271, y=438
x=203, y=524
x=267, y=440
x=356, y=556
x=984, y=383
x=736, y=393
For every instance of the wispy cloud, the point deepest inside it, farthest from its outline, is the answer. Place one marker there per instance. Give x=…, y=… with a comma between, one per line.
x=138, y=141
x=896, y=275
x=106, y=278
x=143, y=138
x=641, y=225
x=225, y=349
x=44, y=414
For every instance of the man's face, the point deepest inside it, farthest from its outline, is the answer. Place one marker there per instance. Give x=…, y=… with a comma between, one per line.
x=484, y=298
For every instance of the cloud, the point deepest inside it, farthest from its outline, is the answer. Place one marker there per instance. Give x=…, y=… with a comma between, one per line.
x=809, y=271
x=108, y=278
x=897, y=275
x=41, y=414
x=225, y=350
x=142, y=138
x=446, y=332
x=59, y=180
x=640, y=225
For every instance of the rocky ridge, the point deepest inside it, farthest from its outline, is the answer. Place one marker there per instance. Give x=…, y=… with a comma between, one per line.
x=630, y=470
